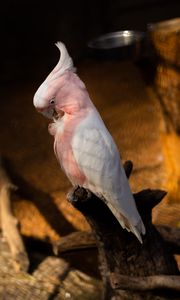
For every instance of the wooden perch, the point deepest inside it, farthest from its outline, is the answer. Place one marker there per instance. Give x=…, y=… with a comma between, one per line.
x=9, y=223
x=74, y=241
x=145, y=283
x=120, y=252
x=171, y=236
x=80, y=240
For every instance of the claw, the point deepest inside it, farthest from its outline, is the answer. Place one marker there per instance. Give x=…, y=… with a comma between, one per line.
x=89, y=194
x=78, y=194
x=71, y=195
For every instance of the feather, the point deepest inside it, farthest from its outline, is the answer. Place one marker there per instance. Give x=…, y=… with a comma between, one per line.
x=84, y=147
x=97, y=156
x=65, y=61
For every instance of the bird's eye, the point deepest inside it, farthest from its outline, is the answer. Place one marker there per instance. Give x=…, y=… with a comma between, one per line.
x=52, y=101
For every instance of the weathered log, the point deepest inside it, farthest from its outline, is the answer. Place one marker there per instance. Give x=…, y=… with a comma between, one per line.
x=167, y=82
x=165, y=38
x=171, y=237
x=120, y=252
x=147, y=283
x=9, y=223
x=74, y=241
x=50, y=278
x=81, y=240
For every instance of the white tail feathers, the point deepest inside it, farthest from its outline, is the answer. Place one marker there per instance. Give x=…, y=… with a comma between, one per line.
x=65, y=61
x=137, y=229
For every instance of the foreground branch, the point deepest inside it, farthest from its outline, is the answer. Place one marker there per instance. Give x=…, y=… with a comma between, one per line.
x=75, y=241
x=80, y=240
x=171, y=236
x=145, y=283
x=120, y=252
x=9, y=223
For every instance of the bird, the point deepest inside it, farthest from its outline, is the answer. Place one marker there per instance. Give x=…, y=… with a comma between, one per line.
x=85, y=149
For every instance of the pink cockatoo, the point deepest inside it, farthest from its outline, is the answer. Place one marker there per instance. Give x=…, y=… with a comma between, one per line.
x=83, y=146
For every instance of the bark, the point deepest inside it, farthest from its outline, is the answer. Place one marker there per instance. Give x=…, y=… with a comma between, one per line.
x=145, y=283
x=171, y=237
x=75, y=241
x=165, y=40
x=119, y=251
x=80, y=240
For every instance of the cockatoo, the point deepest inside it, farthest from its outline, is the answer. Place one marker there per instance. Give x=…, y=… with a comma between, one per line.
x=83, y=146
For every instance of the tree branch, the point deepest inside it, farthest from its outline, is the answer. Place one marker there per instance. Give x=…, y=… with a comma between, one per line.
x=75, y=241
x=145, y=283
x=171, y=236
x=121, y=253
x=10, y=224
x=80, y=240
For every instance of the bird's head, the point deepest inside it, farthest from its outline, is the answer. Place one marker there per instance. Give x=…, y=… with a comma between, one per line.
x=45, y=98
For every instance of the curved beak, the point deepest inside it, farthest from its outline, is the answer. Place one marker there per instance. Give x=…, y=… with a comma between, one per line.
x=48, y=113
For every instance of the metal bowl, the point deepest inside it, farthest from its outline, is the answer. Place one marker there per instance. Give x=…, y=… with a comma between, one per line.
x=127, y=44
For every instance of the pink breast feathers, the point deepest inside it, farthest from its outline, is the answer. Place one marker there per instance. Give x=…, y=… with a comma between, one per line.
x=64, y=153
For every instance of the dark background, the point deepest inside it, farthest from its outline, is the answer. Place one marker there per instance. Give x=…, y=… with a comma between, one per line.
x=30, y=28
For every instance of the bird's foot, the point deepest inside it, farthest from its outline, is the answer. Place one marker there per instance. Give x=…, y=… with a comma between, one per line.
x=71, y=195
x=88, y=194
x=78, y=194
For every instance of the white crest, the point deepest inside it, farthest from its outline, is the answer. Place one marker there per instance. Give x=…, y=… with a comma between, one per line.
x=65, y=61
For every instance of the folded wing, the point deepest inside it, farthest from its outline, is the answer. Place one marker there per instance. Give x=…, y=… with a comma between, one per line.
x=98, y=158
